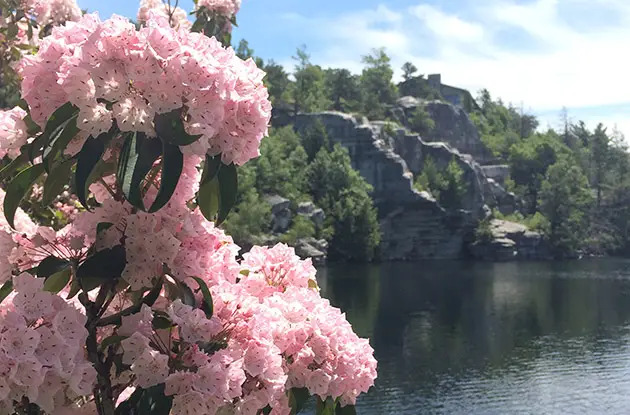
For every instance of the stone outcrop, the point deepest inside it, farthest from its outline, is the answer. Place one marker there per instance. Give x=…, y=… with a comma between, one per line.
x=454, y=130
x=510, y=241
x=281, y=214
x=413, y=224
x=452, y=126
x=316, y=249
x=313, y=213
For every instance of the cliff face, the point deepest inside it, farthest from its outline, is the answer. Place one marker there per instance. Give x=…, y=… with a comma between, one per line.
x=413, y=224
x=452, y=126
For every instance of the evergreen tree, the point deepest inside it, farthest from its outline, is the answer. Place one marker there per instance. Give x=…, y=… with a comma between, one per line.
x=309, y=92
x=564, y=200
x=376, y=83
x=345, y=198
x=408, y=69
x=343, y=90
x=600, y=156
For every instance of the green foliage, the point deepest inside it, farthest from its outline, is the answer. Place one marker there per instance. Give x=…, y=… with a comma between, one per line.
x=309, y=90
x=314, y=139
x=344, y=90
x=282, y=165
x=529, y=161
x=277, y=82
x=251, y=216
x=408, y=69
x=301, y=227
x=376, y=83
x=420, y=121
x=565, y=199
x=447, y=186
x=344, y=196
x=483, y=233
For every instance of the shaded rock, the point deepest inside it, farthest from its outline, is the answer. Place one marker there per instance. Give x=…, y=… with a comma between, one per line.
x=452, y=126
x=311, y=248
x=511, y=241
x=312, y=212
x=413, y=224
x=496, y=172
x=281, y=215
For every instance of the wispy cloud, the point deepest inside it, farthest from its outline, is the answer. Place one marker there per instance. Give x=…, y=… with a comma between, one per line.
x=541, y=53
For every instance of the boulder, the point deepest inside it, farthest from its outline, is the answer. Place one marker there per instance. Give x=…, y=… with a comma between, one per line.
x=511, y=241
x=281, y=215
x=311, y=248
x=312, y=212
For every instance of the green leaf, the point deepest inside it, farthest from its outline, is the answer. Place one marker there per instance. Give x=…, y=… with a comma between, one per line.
x=105, y=265
x=31, y=127
x=228, y=184
x=137, y=157
x=35, y=148
x=103, y=226
x=6, y=289
x=13, y=166
x=162, y=322
x=88, y=159
x=345, y=410
x=170, y=128
x=56, y=180
x=172, y=165
x=207, y=306
x=208, y=197
x=210, y=168
x=58, y=118
x=146, y=401
x=59, y=139
x=298, y=397
x=57, y=281
x=51, y=265
x=12, y=31
x=74, y=289
x=326, y=407
x=111, y=340
x=18, y=188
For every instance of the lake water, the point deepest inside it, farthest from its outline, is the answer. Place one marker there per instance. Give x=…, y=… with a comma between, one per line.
x=482, y=338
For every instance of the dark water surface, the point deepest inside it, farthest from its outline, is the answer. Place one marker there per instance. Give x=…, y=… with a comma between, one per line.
x=481, y=338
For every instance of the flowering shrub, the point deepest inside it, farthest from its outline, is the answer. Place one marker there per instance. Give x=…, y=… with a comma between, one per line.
x=139, y=304
x=178, y=18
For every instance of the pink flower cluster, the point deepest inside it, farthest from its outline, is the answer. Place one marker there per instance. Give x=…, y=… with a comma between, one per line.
x=8, y=236
x=226, y=8
x=270, y=331
x=53, y=11
x=147, y=72
x=178, y=16
x=13, y=132
x=258, y=344
x=42, y=343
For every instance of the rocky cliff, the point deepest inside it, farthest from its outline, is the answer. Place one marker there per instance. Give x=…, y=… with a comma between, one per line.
x=413, y=224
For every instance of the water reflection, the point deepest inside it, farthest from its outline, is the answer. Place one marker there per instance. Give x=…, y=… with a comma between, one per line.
x=455, y=337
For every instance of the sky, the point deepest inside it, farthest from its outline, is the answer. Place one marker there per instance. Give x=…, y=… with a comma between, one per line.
x=541, y=55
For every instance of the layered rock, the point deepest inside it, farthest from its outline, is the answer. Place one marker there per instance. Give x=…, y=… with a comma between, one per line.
x=510, y=241
x=413, y=224
x=452, y=126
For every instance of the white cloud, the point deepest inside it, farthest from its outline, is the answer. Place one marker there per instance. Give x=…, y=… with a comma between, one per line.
x=447, y=27
x=562, y=65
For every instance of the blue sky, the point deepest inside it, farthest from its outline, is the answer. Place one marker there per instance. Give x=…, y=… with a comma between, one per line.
x=539, y=54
